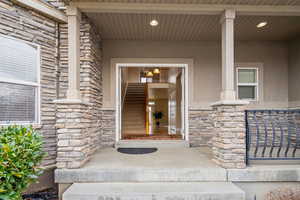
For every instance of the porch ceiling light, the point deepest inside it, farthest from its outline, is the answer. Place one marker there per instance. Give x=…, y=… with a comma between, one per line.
x=261, y=24
x=154, y=22
x=156, y=71
x=149, y=73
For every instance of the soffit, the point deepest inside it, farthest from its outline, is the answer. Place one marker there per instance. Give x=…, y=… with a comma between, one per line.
x=119, y=26
x=225, y=2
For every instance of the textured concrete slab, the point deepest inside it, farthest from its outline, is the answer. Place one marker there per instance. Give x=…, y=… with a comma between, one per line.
x=154, y=191
x=265, y=173
x=167, y=164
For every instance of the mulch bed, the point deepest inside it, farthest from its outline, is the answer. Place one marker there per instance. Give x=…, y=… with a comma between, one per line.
x=50, y=194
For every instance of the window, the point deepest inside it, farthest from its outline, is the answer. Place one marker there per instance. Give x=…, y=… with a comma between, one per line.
x=19, y=82
x=247, y=83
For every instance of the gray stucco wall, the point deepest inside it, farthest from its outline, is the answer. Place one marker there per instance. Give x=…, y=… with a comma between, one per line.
x=273, y=56
x=270, y=57
x=294, y=73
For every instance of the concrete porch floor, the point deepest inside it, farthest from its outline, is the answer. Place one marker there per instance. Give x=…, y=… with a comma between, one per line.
x=163, y=158
x=170, y=165
x=167, y=164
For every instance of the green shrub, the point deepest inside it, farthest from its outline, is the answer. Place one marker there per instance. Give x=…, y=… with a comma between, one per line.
x=20, y=155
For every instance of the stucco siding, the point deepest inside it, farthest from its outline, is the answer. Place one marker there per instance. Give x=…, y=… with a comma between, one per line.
x=272, y=56
x=294, y=73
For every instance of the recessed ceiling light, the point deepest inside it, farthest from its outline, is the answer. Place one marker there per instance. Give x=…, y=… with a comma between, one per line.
x=153, y=22
x=261, y=24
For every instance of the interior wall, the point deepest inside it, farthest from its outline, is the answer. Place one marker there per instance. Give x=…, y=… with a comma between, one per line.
x=133, y=75
x=273, y=56
x=294, y=73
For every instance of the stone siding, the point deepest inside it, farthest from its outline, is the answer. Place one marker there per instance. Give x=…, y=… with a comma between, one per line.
x=229, y=147
x=108, y=131
x=74, y=134
x=91, y=77
x=21, y=23
x=201, y=127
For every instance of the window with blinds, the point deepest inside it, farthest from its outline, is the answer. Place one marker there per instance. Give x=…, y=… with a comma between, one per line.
x=19, y=82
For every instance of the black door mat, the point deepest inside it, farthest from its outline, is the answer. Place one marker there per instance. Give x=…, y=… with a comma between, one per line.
x=137, y=150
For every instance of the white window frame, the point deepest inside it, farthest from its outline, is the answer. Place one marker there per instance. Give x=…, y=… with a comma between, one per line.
x=27, y=83
x=256, y=85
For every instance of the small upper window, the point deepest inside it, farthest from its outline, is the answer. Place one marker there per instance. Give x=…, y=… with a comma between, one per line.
x=247, y=83
x=19, y=82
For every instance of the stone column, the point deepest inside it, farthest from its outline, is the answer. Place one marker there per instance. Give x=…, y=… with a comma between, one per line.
x=227, y=22
x=73, y=116
x=229, y=145
x=74, y=18
x=73, y=124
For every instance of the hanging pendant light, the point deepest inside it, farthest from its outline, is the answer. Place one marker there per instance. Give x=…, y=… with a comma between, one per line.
x=156, y=71
x=149, y=73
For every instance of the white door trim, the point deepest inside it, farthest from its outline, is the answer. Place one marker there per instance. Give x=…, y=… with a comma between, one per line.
x=118, y=118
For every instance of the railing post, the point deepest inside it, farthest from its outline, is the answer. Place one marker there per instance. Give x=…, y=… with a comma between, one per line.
x=247, y=138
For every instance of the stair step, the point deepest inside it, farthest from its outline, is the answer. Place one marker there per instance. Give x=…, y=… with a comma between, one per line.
x=154, y=191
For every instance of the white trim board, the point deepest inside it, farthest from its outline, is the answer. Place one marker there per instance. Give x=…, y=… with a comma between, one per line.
x=43, y=8
x=191, y=9
x=118, y=118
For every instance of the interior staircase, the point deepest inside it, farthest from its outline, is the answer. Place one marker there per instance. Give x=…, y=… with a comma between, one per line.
x=134, y=110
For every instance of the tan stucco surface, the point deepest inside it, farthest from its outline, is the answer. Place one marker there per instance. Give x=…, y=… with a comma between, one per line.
x=294, y=73
x=270, y=57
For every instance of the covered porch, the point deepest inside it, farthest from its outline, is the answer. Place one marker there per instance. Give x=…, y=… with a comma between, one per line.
x=173, y=170
x=218, y=43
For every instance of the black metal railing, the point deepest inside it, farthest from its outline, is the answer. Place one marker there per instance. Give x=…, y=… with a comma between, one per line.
x=272, y=135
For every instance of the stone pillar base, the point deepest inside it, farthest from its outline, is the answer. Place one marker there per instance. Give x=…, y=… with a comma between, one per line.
x=73, y=123
x=229, y=146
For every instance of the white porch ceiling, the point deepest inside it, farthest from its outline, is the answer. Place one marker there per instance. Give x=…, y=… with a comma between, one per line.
x=121, y=26
x=225, y=2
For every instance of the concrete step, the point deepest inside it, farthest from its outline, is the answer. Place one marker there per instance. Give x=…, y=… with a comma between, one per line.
x=154, y=191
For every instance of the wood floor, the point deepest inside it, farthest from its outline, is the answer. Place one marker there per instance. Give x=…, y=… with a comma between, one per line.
x=159, y=134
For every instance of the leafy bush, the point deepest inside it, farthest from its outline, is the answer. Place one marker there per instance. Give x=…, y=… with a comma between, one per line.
x=20, y=155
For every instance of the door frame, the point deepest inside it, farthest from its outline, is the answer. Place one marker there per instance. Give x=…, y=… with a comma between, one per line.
x=118, y=101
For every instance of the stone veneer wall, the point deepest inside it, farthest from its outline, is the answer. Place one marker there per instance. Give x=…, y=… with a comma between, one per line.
x=74, y=135
x=201, y=127
x=87, y=115
x=229, y=147
x=108, y=131
x=24, y=24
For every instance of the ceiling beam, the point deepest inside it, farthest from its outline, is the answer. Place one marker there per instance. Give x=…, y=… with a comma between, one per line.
x=196, y=9
x=44, y=9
